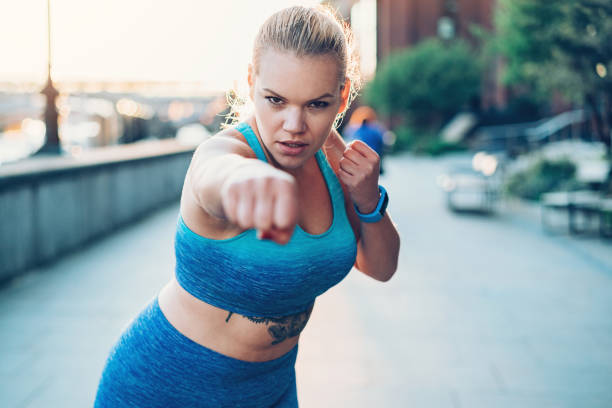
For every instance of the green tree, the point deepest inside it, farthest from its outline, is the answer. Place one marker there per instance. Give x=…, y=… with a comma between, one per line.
x=427, y=84
x=563, y=46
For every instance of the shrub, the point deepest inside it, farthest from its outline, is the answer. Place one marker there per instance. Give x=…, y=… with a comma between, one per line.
x=426, y=84
x=423, y=142
x=437, y=147
x=542, y=177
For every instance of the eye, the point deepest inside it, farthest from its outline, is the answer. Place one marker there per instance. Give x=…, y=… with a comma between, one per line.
x=274, y=100
x=318, y=104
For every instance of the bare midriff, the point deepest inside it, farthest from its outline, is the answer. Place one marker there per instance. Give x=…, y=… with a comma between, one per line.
x=248, y=338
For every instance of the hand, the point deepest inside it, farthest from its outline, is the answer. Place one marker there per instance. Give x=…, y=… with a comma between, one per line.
x=359, y=171
x=266, y=201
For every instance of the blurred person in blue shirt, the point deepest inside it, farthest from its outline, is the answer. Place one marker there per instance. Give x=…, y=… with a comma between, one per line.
x=364, y=126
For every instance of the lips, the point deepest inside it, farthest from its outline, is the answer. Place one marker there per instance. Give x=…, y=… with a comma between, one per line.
x=292, y=148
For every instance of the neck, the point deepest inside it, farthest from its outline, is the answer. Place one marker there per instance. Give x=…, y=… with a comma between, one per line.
x=303, y=170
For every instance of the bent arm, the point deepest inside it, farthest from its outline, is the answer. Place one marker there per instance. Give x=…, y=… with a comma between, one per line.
x=377, y=243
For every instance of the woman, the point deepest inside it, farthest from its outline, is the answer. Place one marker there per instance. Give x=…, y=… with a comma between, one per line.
x=268, y=221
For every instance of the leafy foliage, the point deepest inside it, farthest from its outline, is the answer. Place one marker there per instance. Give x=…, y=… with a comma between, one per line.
x=427, y=84
x=563, y=46
x=542, y=177
x=425, y=142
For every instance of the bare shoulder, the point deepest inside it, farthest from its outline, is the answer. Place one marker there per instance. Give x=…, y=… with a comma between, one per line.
x=226, y=141
x=197, y=217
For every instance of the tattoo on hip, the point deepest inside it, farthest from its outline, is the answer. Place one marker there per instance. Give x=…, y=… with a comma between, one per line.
x=281, y=328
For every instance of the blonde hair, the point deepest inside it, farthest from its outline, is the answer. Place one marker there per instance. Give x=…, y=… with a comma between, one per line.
x=307, y=31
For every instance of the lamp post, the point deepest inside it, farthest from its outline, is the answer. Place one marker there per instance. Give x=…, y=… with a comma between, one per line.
x=448, y=21
x=52, y=143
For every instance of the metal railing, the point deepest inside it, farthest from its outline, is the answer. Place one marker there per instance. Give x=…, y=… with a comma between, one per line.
x=517, y=138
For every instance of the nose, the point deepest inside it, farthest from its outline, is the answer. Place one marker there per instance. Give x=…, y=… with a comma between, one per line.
x=294, y=120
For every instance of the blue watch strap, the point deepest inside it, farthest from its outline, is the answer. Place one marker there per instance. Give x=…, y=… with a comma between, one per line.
x=380, y=209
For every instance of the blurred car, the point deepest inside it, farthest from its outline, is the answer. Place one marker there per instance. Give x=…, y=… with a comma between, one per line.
x=472, y=188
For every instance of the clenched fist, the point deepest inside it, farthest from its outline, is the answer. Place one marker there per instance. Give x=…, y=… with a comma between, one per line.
x=266, y=201
x=359, y=171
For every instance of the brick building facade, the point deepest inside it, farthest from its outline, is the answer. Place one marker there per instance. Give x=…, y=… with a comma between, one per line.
x=404, y=23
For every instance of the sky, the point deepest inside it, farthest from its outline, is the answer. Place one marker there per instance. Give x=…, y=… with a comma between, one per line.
x=140, y=40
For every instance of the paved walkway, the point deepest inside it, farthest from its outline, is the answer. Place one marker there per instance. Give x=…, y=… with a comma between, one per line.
x=483, y=312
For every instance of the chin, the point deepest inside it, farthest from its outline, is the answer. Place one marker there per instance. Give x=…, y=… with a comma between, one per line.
x=291, y=164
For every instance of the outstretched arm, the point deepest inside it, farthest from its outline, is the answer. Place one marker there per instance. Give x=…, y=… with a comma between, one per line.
x=229, y=183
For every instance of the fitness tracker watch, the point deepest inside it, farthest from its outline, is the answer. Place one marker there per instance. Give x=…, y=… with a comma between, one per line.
x=380, y=209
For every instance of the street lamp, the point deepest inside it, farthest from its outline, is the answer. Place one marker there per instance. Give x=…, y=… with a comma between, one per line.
x=52, y=143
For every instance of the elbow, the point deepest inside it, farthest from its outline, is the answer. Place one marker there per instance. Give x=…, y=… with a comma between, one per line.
x=391, y=266
x=387, y=275
x=381, y=267
x=380, y=274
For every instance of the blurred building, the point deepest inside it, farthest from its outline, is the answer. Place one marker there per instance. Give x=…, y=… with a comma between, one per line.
x=403, y=23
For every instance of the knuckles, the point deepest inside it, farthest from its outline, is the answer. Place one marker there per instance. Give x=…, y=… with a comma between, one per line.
x=259, y=186
x=369, y=162
x=252, y=202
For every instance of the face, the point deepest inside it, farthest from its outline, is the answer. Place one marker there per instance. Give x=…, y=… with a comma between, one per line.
x=296, y=101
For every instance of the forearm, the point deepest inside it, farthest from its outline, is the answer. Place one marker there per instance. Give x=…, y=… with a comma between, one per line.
x=378, y=249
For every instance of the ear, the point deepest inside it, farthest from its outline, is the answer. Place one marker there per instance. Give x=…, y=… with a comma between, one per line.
x=251, y=80
x=344, y=95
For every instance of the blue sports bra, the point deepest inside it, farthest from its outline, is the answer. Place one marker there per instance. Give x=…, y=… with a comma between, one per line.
x=255, y=277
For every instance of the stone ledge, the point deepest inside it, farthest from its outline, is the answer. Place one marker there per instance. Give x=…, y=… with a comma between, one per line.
x=50, y=206
x=42, y=166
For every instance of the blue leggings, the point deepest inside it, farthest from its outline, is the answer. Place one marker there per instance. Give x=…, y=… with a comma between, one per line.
x=154, y=365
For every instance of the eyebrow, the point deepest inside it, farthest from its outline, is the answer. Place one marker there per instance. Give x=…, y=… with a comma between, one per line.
x=325, y=95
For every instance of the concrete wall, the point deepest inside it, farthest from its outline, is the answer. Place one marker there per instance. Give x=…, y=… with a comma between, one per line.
x=49, y=206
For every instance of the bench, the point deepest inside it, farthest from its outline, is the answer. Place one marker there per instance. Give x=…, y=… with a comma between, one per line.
x=585, y=210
